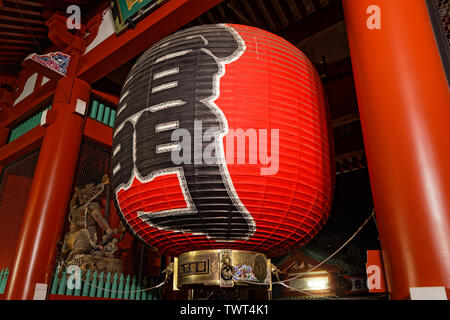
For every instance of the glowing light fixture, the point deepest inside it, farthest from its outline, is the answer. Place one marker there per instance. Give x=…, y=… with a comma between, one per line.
x=318, y=283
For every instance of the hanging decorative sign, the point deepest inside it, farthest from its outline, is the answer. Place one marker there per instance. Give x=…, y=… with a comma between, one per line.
x=52, y=65
x=221, y=141
x=128, y=12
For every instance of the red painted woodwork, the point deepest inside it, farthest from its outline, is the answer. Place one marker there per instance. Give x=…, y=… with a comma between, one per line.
x=404, y=105
x=32, y=103
x=115, y=51
x=22, y=145
x=98, y=132
x=114, y=100
x=4, y=134
x=50, y=192
x=13, y=198
x=58, y=33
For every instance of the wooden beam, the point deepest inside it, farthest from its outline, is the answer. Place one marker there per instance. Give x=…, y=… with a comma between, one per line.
x=351, y=161
x=115, y=51
x=314, y=23
x=201, y=21
x=349, y=118
x=348, y=139
x=20, y=11
x=56, y=2
x=112, y=99
x=256, y=19
x=9, y=58
x=15, y=52
x=23, y=27
x=294, y=9
x=280, y=12
x=7, y=47
x=22, y=145
x=8, y=77
x=357, y=154
x=265, y=12
x=309, y=6
x=28, y=3
x=31, y=104
x=22, y=35
x=11, y=55
x=316, y=4
x=21, y=20
x=237, y=10
x=5, y=40
x=222, y=14
x=98, y=132
x=302, y=8
x=211, y=17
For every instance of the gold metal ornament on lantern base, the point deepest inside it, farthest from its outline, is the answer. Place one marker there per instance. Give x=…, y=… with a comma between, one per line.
x=222, y=268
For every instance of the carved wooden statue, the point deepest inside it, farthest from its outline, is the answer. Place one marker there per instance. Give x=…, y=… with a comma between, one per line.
x=81, y=246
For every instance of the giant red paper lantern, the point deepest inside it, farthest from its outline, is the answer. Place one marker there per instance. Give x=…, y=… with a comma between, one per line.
x=182, y=177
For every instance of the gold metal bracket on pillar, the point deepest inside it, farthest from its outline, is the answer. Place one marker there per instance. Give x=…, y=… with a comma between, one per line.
x=224, y=268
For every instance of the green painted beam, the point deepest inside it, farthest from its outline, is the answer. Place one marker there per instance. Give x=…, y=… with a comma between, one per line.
x=94, y=109
x=101, y=109
x=100, y=286
x=107, y=291
x=86, y=285
x=93, y=285
x=112, y=118
x=114, y=287
x=106, y=115
x=3, y=279
x=62, y=283
x=120, y=293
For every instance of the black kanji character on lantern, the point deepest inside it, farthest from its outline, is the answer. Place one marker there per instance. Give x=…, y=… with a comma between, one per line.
x=173, y=86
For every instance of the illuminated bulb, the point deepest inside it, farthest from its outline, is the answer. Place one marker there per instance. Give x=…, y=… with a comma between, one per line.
x=318, y=284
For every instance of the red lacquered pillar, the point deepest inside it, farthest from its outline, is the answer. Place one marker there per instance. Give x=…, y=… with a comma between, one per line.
x=404, y=106
x=47, y=205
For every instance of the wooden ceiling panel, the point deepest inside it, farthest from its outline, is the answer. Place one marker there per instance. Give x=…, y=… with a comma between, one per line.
x=13, y=26
x=248, y=10
x=19, y=11
x=18, y=19
x=264, y=9
x=21, y=35
x=22, y=31
x=25, y=3
x=283, y=12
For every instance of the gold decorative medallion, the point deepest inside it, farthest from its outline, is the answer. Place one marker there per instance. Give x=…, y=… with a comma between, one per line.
x=222, y=267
